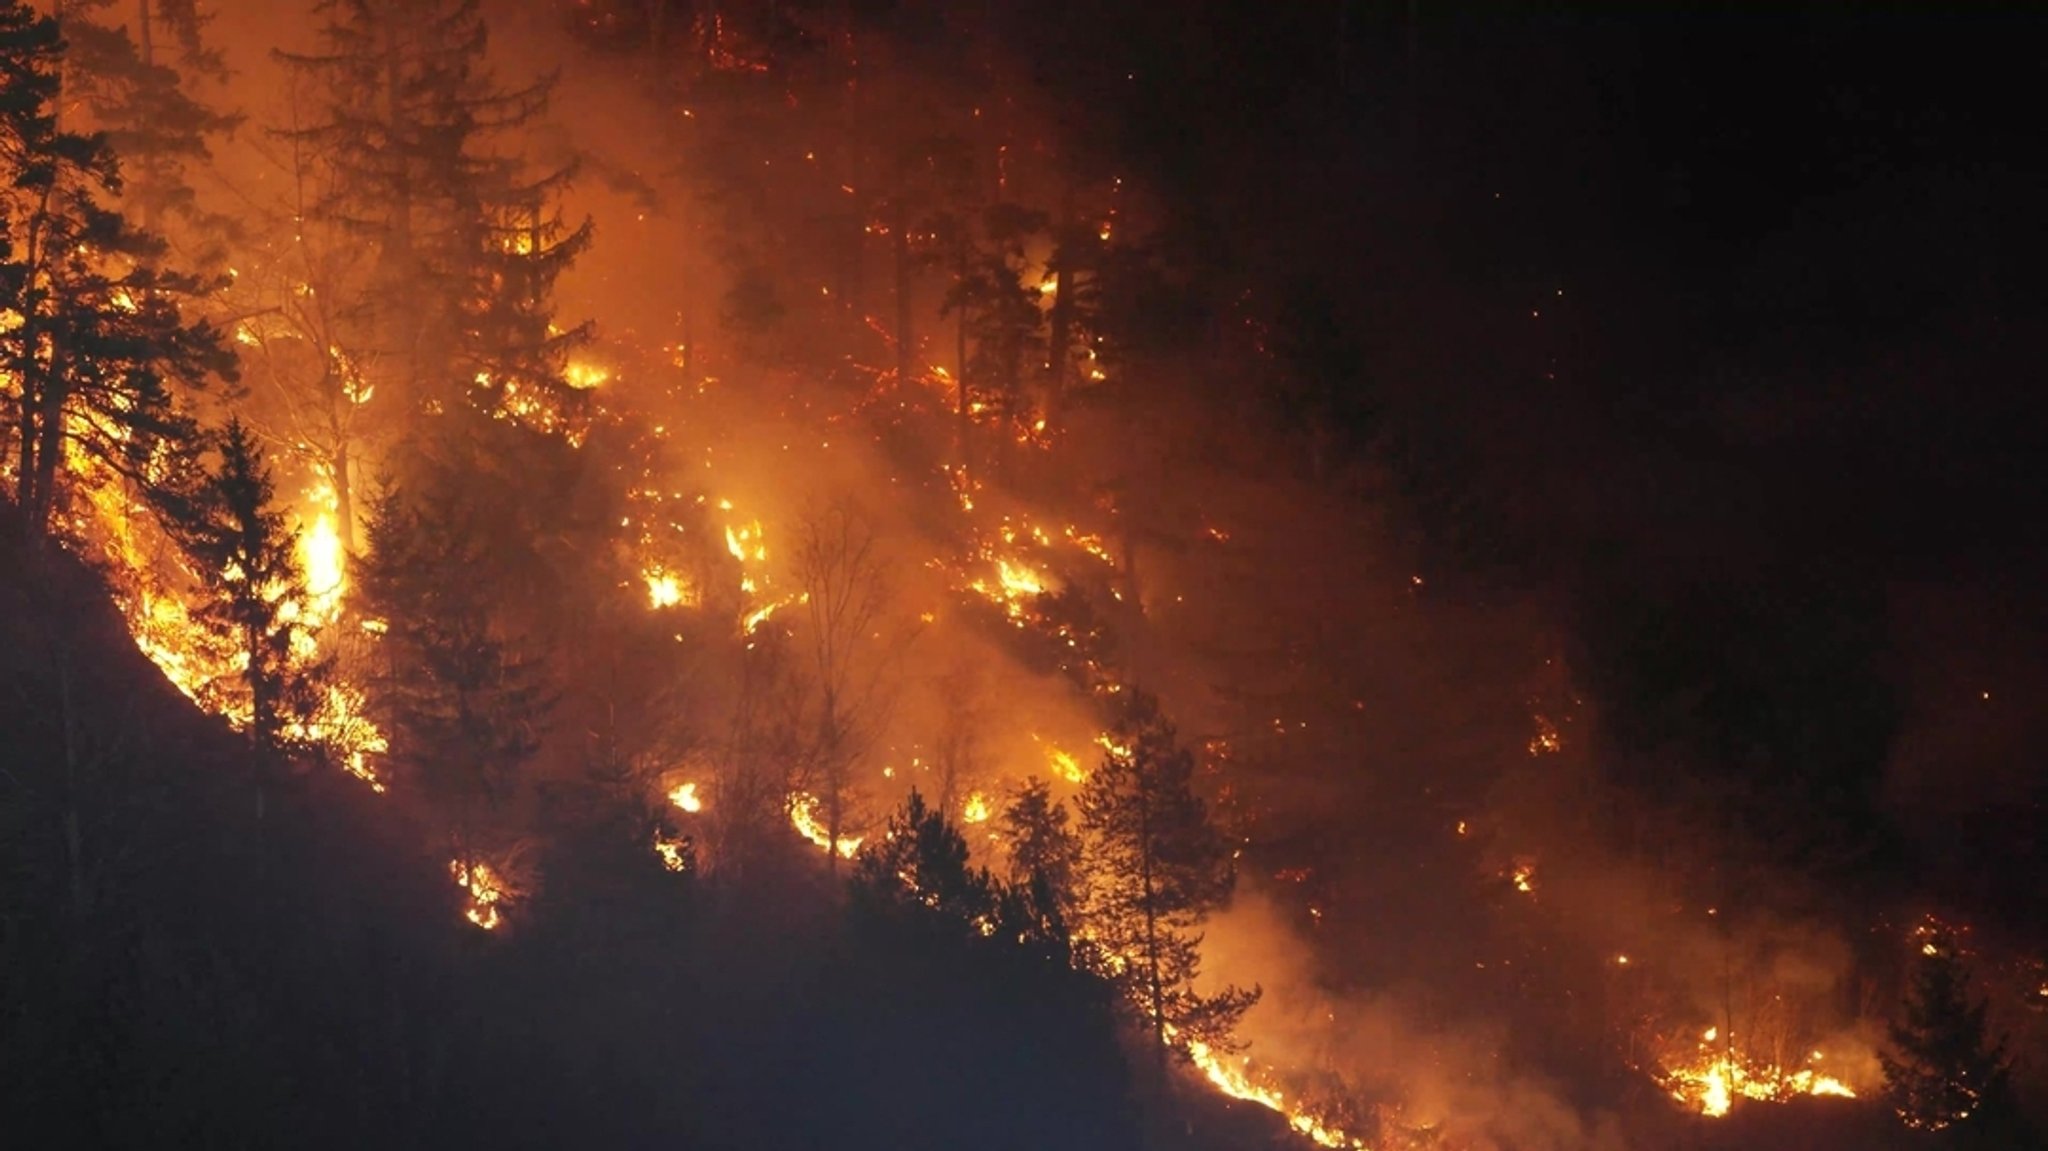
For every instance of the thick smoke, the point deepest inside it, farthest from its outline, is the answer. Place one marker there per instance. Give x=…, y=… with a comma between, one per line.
x=1376, y=744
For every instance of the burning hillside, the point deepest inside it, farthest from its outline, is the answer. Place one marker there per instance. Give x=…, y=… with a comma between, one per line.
x=787, y=451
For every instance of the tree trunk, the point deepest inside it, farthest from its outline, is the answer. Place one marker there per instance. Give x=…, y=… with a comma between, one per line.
x=963, y=426
x=1059, y=333
x=150, y=167
x=50, y=433
x=1156, y=985
x=1134, y=602
x=899, y=225
x=344, y=502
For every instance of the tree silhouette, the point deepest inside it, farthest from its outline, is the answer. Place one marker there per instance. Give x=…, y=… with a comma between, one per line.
x=1156, y=867
x=100, y=338
x=255, y=600
x=1944, y=1069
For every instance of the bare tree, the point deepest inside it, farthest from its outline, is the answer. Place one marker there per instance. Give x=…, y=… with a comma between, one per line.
x=759, y=762
x=851, y=648
x=957, y=751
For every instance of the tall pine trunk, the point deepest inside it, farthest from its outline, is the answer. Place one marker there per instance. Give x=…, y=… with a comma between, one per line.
x=899, y=225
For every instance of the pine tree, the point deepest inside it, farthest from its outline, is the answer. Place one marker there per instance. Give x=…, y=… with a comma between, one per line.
x=1042, y=846
x=99, y=337
x=144, y=105
x=255, y=600
x=467, y=247
x=1000, y=312
x=1944, y=1068
x=463, y=706
x=921, y=859
x=1156, y=867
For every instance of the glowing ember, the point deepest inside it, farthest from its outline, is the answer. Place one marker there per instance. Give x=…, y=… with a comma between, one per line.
x=486, y=890
x=349, y=735
x=673, y=852
x=685, y=796
x=760, y=614
x=1110, y=745
x=976, y=809
x=745, y=542
x=1524, y=876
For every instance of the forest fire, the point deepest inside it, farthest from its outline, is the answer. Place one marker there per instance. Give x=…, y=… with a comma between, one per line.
x=1721, y=1073
x=1237, y=1083
x=1046, y=446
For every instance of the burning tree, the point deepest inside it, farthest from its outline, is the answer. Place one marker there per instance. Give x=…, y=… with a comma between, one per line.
x=1000, y=312
x=1156, y=867
x=409, y=129
x=922, y=858
x=255, y=600
x=1944, y=1068
x=151, y=119
x=96, y=336
x=846, y=594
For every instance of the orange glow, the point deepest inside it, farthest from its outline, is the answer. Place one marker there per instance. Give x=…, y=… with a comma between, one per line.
x=1524, y=876
x=685, y=797
x=667, y=589
x=803, y=815
x=486, y=890
x=671, y=852
x=1066, y=766
x=1717, y=1075
x=583, y=377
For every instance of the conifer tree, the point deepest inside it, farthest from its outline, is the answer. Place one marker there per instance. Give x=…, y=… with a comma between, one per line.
x=145, y=106
x=465, y=708
x=921, y=859
x=1156, y=867
x=467, y=247
x=999, y=311
x=88, y=366
x=1944, y=1068
x=243, y=552
x=1042, y=845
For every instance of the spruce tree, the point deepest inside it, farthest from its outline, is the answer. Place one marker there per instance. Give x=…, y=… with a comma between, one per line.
x=254, y=604
x=1944, y=1068
x=463, y=705
x=144, y=104
x=413, y=132
x=1042, y=846
x=1156, y=866
x=89, y=365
